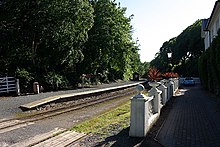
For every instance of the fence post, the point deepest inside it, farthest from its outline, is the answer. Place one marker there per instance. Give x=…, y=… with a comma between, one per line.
x=139, y=114
x=166, y=83
x=17, y=87
x=6, y=81
x=156, y=93
x=171, y=87
x=163, y=88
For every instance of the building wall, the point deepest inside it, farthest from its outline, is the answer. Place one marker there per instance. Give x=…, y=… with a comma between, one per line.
x=213, y=26
x=207, y=40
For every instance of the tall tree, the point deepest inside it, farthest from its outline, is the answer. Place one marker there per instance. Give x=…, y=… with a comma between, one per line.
x=110, y=47
x=50, y=33
x=186, y=49
x=46, y=34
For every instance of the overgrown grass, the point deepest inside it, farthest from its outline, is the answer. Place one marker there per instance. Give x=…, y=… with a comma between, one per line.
x=119, y=115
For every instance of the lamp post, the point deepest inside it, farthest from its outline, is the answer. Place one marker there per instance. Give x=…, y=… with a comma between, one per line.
x=169, y=55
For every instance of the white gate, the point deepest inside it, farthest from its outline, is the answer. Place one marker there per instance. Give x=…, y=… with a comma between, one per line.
x=9, y=84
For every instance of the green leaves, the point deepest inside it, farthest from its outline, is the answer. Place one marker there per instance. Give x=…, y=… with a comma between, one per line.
x=110, y=42
x=186, y=49
x=66, y=38
x=209, y=67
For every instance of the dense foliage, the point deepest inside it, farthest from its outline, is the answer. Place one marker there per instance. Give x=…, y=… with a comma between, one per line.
x=55, y=42
x=110, y=50
x=209, y=67
x=186, y=49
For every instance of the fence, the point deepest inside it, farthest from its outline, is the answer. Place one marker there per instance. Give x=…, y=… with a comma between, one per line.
x=9, y=84
x=145, y=110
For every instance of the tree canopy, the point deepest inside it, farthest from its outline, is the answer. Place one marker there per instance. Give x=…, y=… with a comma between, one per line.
x=110, y=48
x=186, y=49
x=54, y=42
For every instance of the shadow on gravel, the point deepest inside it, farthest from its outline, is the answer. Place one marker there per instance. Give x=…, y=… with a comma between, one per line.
x=122, y=139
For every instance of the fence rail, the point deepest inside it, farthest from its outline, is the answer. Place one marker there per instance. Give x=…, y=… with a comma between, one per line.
x=9, y=84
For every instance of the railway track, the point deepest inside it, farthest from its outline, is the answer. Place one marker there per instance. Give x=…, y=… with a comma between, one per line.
x=12, y=124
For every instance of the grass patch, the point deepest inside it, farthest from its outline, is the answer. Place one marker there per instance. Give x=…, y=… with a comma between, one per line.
x=119, y=115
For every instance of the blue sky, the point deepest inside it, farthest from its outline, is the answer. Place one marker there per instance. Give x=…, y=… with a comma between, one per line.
x=157, y=21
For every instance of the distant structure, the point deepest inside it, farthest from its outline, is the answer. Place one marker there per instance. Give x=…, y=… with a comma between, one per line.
x=210, y=26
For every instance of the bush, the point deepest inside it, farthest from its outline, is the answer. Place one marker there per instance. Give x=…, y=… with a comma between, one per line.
x=55, y=81
x=25, y=79
x=209, y=67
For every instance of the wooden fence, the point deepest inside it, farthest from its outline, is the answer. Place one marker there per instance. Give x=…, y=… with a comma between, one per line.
x=9, y=84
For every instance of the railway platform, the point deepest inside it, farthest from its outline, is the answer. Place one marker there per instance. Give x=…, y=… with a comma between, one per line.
x=10, y=106
x=193, y=120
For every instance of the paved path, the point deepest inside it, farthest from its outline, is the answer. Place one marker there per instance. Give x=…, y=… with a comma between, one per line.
x=194, y=121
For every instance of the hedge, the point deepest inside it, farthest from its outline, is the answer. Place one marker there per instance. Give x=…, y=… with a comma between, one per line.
x=209, y=67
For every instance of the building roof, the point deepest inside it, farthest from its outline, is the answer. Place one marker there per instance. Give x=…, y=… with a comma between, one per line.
x=217, y=3
x=204, y=24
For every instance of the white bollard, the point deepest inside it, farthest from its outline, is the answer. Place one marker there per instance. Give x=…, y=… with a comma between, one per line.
x=163, y=88
x=139, y=116
x=171, y=87
x=156, y=93
x=167, y=84
x=175, y=80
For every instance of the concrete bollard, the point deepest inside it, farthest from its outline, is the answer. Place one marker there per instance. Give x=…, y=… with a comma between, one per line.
x=171, y=87
x=156, y=93
x=175, y=80
x=167, y=84
x=139, y=116
x=176, y=84
x=163, y=88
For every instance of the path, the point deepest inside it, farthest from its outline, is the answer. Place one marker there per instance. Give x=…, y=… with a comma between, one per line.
x=194, y=121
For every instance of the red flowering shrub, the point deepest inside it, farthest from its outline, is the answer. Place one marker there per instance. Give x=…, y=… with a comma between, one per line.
x=154, y=74
x=168, y=75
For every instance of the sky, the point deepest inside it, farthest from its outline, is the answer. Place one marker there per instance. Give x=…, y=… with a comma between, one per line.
x=157, y=21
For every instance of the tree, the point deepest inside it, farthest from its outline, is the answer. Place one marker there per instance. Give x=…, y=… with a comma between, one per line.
x=110, y=48
x=48, y=35
x=56, y=41
x=186, y=49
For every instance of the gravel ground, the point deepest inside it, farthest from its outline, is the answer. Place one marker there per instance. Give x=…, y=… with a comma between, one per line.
x=9, y=106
